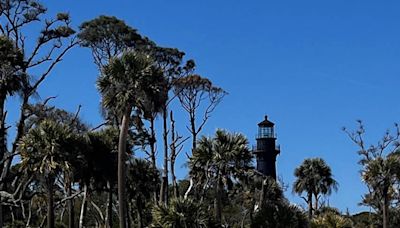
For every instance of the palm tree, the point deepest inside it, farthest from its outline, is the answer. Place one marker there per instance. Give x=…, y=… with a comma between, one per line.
x=43, y=150
x=331, y=218
x=98, y=169
x=181, y=213
x=221, y=160
x=143, y=180
x=102, y=164
x=314, y=177
x=124, y=85
x=381, y=174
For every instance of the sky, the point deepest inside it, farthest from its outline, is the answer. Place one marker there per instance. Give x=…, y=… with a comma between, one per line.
x=312, y=66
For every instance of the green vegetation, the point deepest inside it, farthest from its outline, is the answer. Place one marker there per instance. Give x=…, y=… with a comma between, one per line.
x=71, y=175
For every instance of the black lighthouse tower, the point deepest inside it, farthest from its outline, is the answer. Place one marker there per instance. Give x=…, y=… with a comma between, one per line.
x=266, y=150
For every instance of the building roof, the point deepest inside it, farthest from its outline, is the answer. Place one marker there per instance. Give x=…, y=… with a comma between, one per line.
x=266, y=123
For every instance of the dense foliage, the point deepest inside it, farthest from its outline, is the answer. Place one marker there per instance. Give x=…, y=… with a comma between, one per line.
x=59, y=171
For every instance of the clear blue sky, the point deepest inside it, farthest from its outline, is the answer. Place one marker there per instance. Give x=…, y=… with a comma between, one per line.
x=312, y=66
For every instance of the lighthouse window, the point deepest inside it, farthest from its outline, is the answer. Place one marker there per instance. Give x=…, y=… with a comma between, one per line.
x=266, y=132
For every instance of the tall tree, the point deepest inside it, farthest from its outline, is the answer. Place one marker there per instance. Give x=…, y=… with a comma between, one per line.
x=124, y=84
x=217, y=161
x=102, y=164
x=176, y=146
x=143, y=180
x=44, y=149
x=108, y=37
x=194, y=91
x=273, y=210
x=41, y=112
x=380, y=168
x=315, y=178
x=54, y=40
x=169, y=60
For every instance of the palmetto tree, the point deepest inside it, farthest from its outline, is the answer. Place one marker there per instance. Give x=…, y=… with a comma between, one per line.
x=143, y=180
x=331, y=218
x=381, y=174
x=219, y=161
x=315, y=178
x=181, y=213
x=44, y=150
x=125, y=84
x=102, y=165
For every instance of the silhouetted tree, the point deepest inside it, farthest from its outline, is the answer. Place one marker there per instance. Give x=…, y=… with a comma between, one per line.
x=194, y=91
x=108, y=37
x=217, y=161
x=124, y=84
x=315, y=178
x=380, y=168
x=54, y=40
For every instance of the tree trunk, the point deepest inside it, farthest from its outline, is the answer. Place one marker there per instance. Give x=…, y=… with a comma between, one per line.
x=71, y=212
x=7, y=161
x=50, y=204
x=1, y=213
x=174, y=182
x=3, y=148
x=218, y=200
x=28, y=221
x=139, y=212
x=122, y=168
x=173, y=156
x=152, y=143
x=315, y=203
x=262, y=196
x=164, y=183
x=83, y=206
x=193, y=130
x=191, y=183
x=109, y=206
x=310, y=208
x=385, y=208
x=153, y=152
x=3, y=143
x=128, y=219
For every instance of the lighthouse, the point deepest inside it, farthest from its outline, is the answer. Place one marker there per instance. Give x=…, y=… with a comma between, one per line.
x=266, y=149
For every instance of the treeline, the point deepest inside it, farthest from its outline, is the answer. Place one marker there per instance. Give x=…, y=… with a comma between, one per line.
x=59, y=171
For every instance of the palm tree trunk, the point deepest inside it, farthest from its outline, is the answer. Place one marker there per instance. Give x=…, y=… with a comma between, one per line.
x=315, y=203
x=310, y=208
x=83, y=206
x=139, y=212
x=385, y=210
x=218, y=200
x=164, y=183
x=50, y=204
x=122, y=167
x=109, y=206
